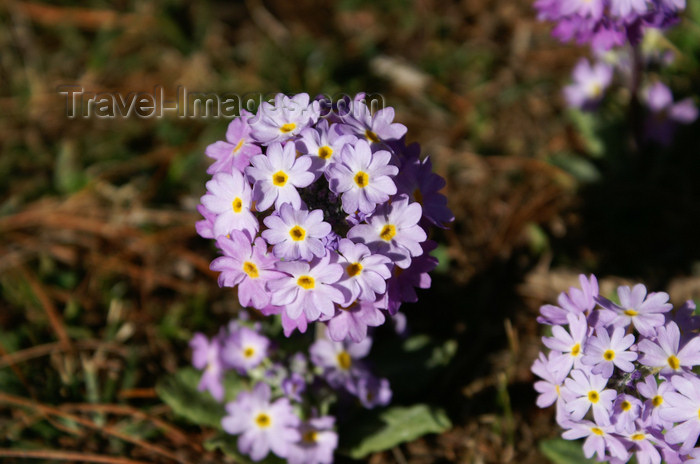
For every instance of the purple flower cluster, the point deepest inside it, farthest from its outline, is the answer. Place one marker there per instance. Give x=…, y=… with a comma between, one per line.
x=621, y=374
x=607, y=23
x=322, y=215
x=280, y=412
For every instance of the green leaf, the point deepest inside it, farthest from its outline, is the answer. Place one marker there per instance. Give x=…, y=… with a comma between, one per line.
x=560, y=451
x=179, y=391
x=391, y=427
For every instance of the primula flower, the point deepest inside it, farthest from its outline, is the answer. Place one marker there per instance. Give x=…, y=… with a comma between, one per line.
x=365, y=273
x=575, y=301
x=296, y=233
x=626, y=410
x=293, y=386
x=285, y=119
x=599, y=438
x=206, y=356
x=589, y=84
x=235, y=153
x=665, y=114
x=308, y=288
x=684, y=410
x=643, y=446
x=571, y=343
x=277, y=175
x=665, y=354
x=417, y=179
x=393, y=231
x=642, y=310
x=373, y=392
x=654, y=393
x=322, y=145
x=588, y=392
x=339, y=361
x=352, y=321
x=248, y=266
x=317, y=444
x=605, y=351
x=229, y=198
x=263, y=425
x=362, y=178
x=401, y=287
x=550, y=387
x=244, y=349
x=376, y=128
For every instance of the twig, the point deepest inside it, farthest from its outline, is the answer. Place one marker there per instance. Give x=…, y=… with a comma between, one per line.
x=38, y=351
x=57, y=455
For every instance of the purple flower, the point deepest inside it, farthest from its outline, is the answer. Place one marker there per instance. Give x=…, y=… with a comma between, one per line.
x=665, y=354
x=666, y=115
x=581, y=300
x=205, y=356
x=626, y=410
x=308, y=288
x=401, y=287
x=205, y=227
x=642, y=310
x=352, y=321
x=365, y=273
x=375, y=129
x=684, y=409
x=393, y=231
x=654, y=393
x=263, y=425
x=550, y=387
x=235, y=153
x=588, y=392
x=604, y=351
x=363, y=178
x=229, y=197
x=249, y=267
x=589, y=84
x=285, y=119
x=643, y=446
x=323, y=145
x=373, y=392
x=296, y=233
x=293, y=386
x=626, y=8
x=277, y=175
x=317, y=444
x=571, y=343
x=244, y=349
x=422, y=185
x=339, y=361
x=599, y=438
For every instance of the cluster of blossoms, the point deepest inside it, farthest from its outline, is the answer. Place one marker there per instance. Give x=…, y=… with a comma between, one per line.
x=621, y=374
x=606, y=24
x=279, y=412
x=321, y=213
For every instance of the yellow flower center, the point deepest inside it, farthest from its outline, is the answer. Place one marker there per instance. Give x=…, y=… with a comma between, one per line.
x=279, y=178
x=626, y=405
x=609, y=355
x=344, y=360
x=362, y=179
x=297, y=233
x=638, y=436
x=310, y=436
x=306, y=282
x=325, y=152
x=354, y=269
x=251, y=269
x=673, y=362
x=287, y=128
x=248, y=352
x=263, y=420
x=237, y=147
x=371, y=136
x=593, y=396
x=237, y=205
x=657, y=400
x=388, y=232
x=576, y=349
x=630, y=312
x=597, y=431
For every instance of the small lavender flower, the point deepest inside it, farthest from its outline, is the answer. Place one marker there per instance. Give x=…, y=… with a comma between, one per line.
x=604, y=352
x=665, y=114
x=664, y=354
x=229, y=198
x=296, y=233
x=365, y=273
x=571, y=343
x=401, y=287
x=277, y=175
x=422, y=185
x=589, y=84
x=293, y=386
x=576, y=301
x=626, y=410
x=339, y=361
x=599, y=439
x=683, y=409
x=263, y=425
x=588, y=392
x=244, y=349
x=644, y=311
x=323, y=145
x=375, y=129
x=249, y=267
x=393, y=231
x=317, y=444
x=352, y=321
x=236, y=151
x=373, y=392
x=206, y=356
x=643, y=445
x=362, y=178
x=285, y=119
x=655, y=400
